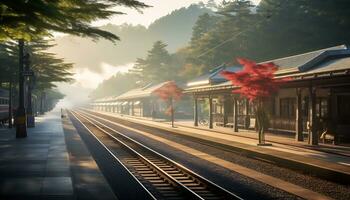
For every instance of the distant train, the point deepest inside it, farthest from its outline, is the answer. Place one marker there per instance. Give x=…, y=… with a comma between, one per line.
x=4, y=105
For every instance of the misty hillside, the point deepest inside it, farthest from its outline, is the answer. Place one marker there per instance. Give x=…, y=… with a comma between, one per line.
x=174, y=29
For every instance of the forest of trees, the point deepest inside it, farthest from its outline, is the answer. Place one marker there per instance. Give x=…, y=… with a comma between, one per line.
x=237, y=28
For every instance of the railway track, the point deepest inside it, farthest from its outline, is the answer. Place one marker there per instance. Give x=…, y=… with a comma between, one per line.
x=160, y=176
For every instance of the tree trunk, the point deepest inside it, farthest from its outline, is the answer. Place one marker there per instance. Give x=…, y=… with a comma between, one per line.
x=260, y=118
x=172, y=112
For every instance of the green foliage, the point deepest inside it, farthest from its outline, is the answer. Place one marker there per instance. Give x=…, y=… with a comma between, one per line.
x=216, y=37
x=23, y=19
x=47, y=67
x=8, y=61
x=275, y=28
x=301, y=25
x=158, y=66
x=203, y=25
x=52, y=96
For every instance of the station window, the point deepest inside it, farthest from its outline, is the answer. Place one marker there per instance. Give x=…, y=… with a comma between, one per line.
x=322, y=107
x=287, y=107
x=343, y=102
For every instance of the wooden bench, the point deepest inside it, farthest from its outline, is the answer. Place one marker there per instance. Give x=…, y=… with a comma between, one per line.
x=220, y=124
x=327, y=136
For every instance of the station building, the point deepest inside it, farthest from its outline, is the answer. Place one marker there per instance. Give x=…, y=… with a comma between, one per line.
x=314, y=101
x=140, y=102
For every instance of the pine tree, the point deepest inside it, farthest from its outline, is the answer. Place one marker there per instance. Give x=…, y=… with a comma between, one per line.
x=157, y=66
x=225, y=39
x=204, y=24
x=22, y=19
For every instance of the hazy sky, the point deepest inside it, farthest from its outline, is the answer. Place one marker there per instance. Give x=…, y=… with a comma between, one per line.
x=86, y=80
x=159, y=8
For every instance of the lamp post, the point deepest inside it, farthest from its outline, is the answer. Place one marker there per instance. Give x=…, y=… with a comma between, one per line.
x=21, y=121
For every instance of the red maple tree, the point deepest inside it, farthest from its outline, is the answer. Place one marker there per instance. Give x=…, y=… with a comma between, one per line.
x=169, y=92
x=255, y=82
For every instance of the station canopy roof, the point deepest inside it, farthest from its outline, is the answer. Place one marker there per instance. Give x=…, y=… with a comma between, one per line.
x=106, y=99
x=140, y=93
x=324, y=61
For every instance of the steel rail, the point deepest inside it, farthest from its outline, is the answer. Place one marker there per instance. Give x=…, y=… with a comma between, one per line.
x=116, y=158
x=204, y=188
x=186, y=193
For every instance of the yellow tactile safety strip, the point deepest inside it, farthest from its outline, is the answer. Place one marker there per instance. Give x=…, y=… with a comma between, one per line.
x=269, y=180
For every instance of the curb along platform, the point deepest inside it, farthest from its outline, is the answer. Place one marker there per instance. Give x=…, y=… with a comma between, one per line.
x=88, y=180
x=326, y=165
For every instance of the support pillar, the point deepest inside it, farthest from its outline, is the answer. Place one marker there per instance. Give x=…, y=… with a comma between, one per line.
x=235, y=115
x=298, y=121
x=195, y=109
x=333, y=114
x=246, y=112
x=132, y=109
x=210, y=112
x=226, y=102
x=313, y=138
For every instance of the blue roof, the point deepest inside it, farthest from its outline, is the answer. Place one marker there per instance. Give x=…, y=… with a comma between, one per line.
x=306, y=61
x=214, y=75
x=301, y=63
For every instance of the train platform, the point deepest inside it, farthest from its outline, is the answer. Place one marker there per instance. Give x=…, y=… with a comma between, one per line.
x=50, y=163
x=325, y=160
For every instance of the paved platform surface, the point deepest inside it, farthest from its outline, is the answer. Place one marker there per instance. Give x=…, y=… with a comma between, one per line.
x=39, y=166
x=287, y=139
x=296, y=153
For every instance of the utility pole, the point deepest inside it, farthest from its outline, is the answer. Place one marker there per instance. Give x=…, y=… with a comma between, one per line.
x=21, y=124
